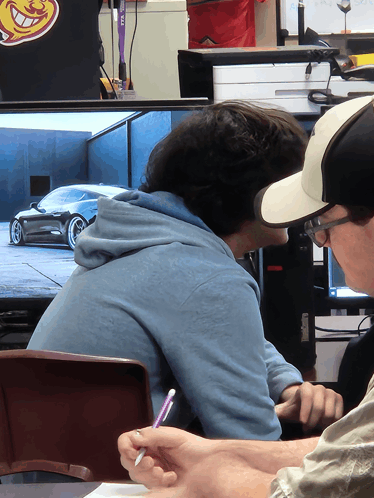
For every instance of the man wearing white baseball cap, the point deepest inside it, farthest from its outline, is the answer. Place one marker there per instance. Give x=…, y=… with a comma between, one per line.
x=338, y=169
x=334, y=197
x=334, y=193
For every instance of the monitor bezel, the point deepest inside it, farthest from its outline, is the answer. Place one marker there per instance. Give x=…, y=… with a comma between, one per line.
x=103, y=105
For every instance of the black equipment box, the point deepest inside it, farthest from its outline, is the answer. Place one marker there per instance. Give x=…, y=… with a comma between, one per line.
x=196, y=66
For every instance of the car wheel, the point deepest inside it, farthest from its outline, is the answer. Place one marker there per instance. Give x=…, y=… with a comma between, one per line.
x=16, y=233
x=75, y=227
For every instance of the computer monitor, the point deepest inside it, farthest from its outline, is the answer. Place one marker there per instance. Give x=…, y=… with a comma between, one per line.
x=49, y=145
x=338, y=292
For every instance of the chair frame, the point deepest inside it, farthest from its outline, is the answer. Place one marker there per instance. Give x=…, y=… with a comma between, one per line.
x=63, y=412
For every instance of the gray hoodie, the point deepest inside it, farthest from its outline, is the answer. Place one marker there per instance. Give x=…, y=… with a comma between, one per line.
x=157, y=285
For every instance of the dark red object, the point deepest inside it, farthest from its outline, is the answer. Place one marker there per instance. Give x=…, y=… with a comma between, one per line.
x=63, y=413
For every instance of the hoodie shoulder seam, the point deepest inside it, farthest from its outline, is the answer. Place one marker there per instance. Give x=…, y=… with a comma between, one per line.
x=252, y=283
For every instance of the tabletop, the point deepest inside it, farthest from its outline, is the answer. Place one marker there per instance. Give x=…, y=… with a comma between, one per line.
x=71, y=490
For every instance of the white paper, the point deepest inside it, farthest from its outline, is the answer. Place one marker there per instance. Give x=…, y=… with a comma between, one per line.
x=109, y=490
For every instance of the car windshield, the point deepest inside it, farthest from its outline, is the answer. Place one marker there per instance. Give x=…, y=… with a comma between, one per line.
x=75, y=196
x=62, y=196
x=57, y=197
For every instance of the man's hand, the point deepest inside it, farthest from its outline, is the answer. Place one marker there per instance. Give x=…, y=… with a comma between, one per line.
x=175, y=459
x=219, y=478
x=170, y=455
x=178, y=464
x=312, y=405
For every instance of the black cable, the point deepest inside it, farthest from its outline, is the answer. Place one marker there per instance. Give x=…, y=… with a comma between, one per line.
x=308, y=71
x=301, y=21
x=328, y=82
x=132, y=42
x=111, y=84
x=357, y=331
x=358, y=327
x=341, y=331
x=325, y=97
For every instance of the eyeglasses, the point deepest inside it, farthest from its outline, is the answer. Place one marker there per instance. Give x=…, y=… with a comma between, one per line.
x=318, y=231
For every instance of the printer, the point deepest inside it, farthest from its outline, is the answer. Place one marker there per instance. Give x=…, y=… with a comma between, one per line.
x=286, y=76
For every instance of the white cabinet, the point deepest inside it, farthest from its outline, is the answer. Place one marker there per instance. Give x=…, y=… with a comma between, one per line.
x=281, y=84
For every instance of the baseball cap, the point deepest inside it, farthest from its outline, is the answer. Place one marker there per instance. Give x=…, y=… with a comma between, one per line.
x=338, y=168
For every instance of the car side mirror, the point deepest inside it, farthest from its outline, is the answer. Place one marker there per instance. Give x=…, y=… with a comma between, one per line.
x=34, y=205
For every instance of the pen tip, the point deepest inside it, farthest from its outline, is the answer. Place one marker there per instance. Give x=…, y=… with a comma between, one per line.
x=171, y=392
x=140, y=456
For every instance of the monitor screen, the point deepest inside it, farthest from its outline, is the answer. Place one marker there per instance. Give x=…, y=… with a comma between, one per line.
x=336, y=279
x=57, y=158
x=51, y=145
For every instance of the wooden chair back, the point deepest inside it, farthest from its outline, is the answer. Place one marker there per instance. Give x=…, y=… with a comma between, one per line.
x=63, y=413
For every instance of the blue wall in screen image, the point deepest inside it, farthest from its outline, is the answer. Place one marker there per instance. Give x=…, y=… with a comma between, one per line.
x=108, y=156
x=120, y=153
x=146, y=131
x=61, y=155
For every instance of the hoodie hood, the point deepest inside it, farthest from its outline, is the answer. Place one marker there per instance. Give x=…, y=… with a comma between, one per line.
x=135, y=220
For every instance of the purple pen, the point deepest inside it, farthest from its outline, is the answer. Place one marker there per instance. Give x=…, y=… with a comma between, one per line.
x=164, y=412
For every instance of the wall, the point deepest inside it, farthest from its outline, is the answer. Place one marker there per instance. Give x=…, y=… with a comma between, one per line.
x=266, y=28
x=108, y=157
x=61, y=155
x=124, y=150
x=161, y=32
x=146, y=131
x=119, y=155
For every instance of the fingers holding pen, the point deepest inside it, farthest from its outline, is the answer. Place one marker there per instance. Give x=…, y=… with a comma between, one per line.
x=169, y=452
x=151, y=470
x=163, y=437
x=127, y=448
x=152, y=475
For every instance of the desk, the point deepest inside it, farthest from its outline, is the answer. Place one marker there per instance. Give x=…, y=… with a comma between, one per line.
x=330, y=346
x=67, y=490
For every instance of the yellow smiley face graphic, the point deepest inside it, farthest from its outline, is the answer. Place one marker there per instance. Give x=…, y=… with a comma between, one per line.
x=25, y=20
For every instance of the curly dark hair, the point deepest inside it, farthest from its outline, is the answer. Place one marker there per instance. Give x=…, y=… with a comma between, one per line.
x=218, y=159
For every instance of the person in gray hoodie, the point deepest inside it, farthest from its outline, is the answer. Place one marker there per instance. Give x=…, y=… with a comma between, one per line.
x=158, y=279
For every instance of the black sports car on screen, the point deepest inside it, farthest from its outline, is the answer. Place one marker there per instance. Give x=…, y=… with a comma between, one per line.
x=60, y=216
